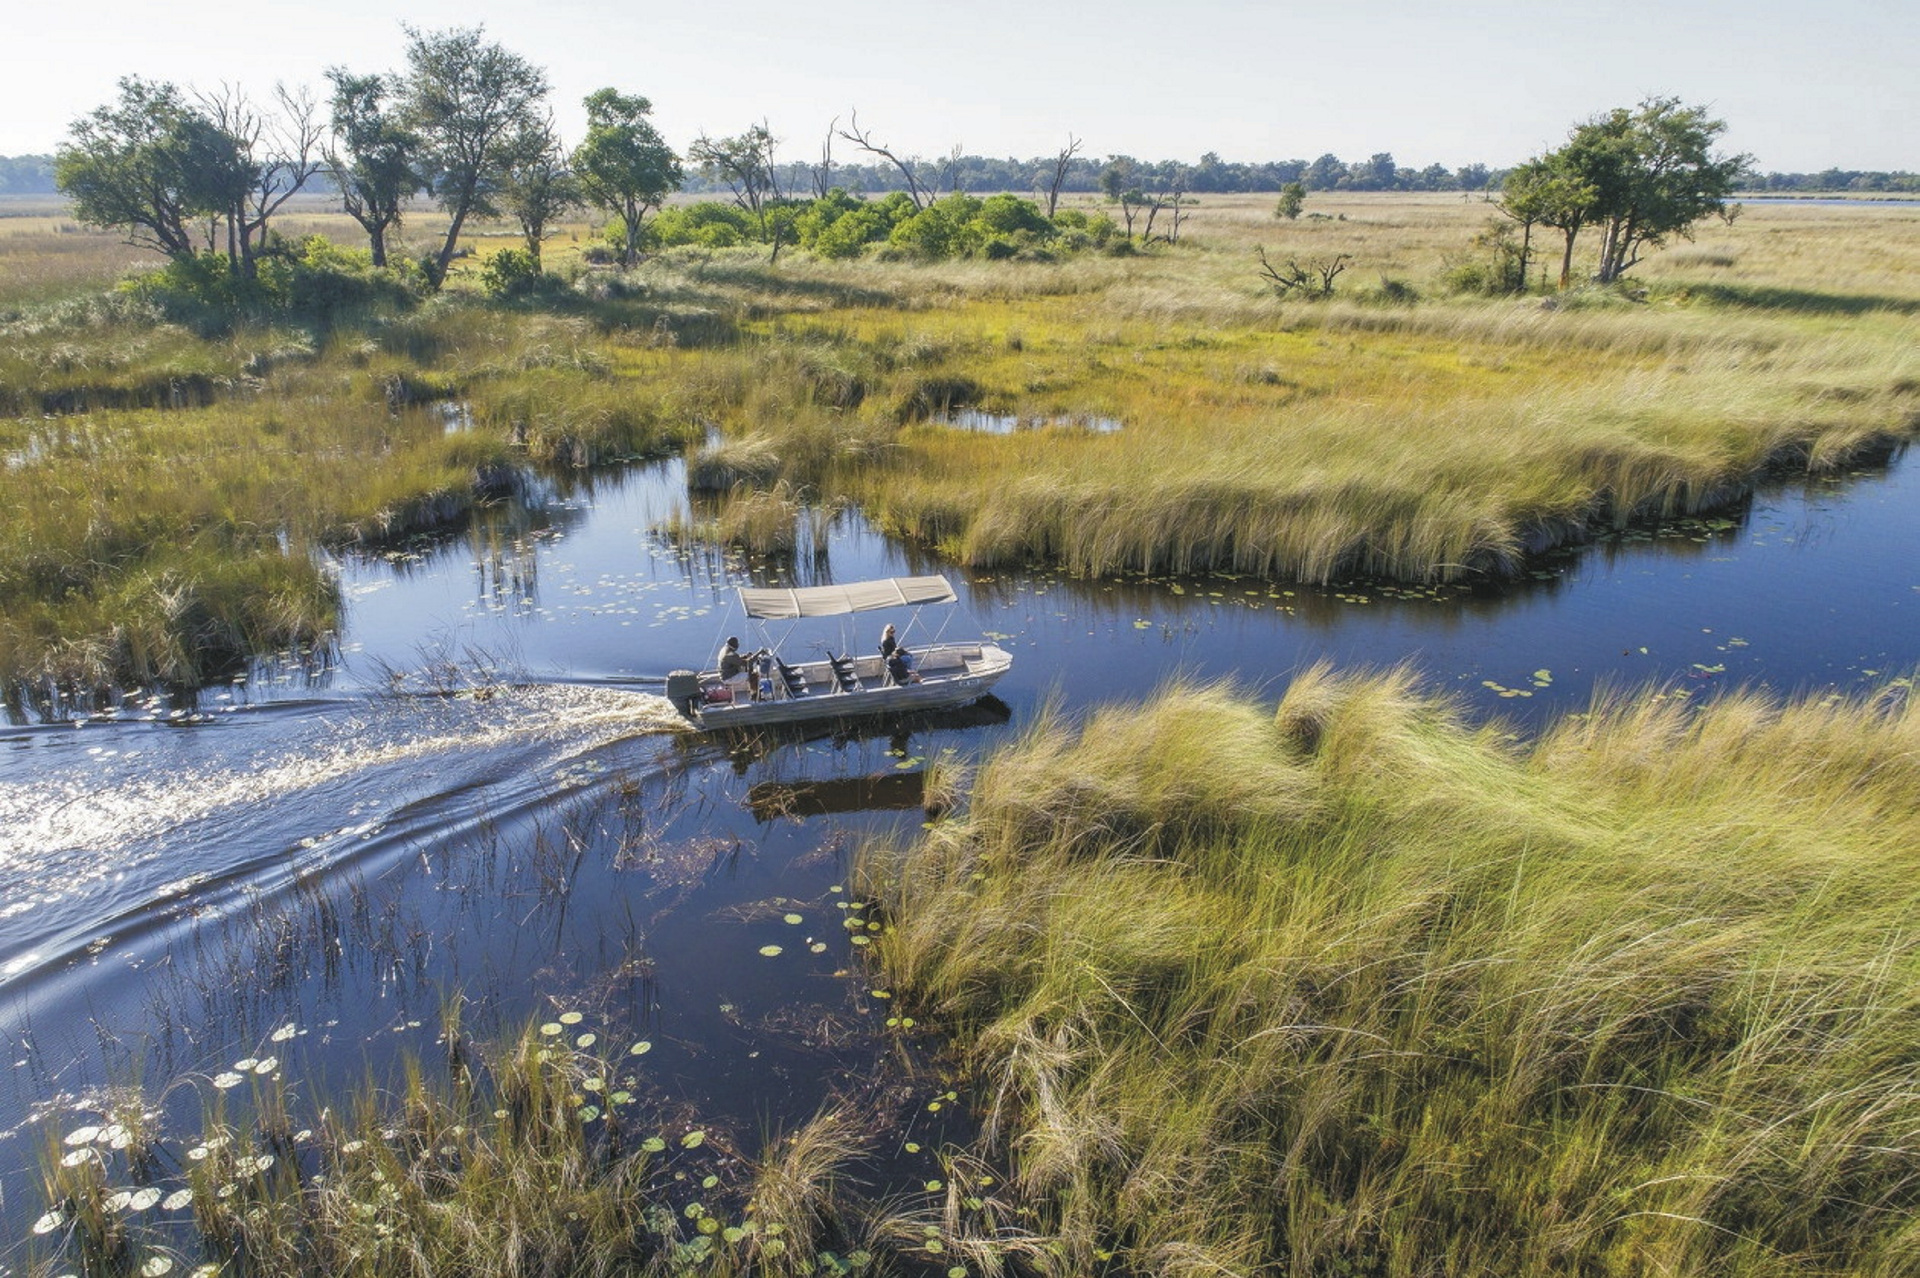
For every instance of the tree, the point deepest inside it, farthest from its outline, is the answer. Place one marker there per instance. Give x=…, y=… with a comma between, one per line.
x=1640, y=176
x=1381, y=173
x=623, y=165
x=469, y=101
x=1553, y=190
x=272, y=157
x=155, y=164
x=1324, y=173
x=1119, y=183
x=1665, y=178
x=374, y=159
x=917, y=191
x=822, y=173
x=1293, y=198
x=745, y=165
x=149, y=165
x=537, y=187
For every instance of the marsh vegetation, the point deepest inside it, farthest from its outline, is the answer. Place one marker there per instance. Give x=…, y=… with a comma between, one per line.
x=1362, y=987
x=1389, y=432
x=1370, y=987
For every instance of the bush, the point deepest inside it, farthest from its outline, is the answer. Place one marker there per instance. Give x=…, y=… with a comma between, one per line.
x=708, y=224
x=512, y=272
x=312, y=279
x=1392, y=292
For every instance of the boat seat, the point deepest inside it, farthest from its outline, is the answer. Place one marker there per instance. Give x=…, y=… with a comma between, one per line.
x=843, y=673
x=795, y=680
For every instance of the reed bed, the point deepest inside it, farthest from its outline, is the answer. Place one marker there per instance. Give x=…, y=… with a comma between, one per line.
x=1360, y=988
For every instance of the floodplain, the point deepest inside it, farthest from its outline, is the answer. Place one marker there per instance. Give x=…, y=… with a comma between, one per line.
x=1520, y=961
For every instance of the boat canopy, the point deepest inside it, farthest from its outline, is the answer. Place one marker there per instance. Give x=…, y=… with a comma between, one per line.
x=854, y=596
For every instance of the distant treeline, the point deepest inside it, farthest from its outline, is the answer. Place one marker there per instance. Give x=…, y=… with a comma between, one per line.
x=980, y=174
x=26, y=175
x=1838, y=180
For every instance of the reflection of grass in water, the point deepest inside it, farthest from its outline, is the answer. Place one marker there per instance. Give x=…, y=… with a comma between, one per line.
x=1365, y=989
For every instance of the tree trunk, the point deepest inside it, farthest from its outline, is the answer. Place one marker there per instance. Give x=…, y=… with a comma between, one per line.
x=1526, y=251
x=629, y=232
x=1566, y=260
x=377, y=238
x=445, y=257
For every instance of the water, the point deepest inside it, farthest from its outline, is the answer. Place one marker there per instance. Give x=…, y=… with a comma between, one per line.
x=986, y=423
x=488, y=800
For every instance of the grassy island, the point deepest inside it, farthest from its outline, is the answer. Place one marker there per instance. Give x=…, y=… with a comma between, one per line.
x=1360, y=988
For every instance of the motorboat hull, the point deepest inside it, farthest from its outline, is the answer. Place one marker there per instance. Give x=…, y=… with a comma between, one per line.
x=951, y=674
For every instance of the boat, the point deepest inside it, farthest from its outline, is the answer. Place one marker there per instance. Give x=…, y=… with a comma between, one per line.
x=838, y=686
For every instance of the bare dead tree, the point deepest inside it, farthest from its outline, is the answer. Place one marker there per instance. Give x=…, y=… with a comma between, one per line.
x=1168, y=201
x=918, y=193
x=950, y=175
x=1062, y=163
x=274, y=155
x=1313, y=281
x=823, y=171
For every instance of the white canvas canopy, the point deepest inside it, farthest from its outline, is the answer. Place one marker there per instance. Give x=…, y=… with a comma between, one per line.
x=854, y=596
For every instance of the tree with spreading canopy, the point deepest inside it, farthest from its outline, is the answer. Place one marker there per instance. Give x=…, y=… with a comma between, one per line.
x=623, y=165
x=374, y=159
x=471, y=102
x=1549, y=191
x=1639, y=176
x=155, y=164
x=150, y=165
x=1670, y=179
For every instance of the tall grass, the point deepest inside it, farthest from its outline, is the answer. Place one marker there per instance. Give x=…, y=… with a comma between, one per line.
x=1363, y=989
x=534, y=1156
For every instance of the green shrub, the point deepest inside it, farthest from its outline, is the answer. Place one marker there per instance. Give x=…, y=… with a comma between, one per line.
x=512, y=272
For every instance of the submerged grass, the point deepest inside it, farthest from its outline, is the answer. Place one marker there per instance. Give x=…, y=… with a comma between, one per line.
x=536, y=1156
x=1363, y=989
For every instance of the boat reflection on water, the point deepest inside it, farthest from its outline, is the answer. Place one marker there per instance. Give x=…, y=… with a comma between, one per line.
x=744, y=748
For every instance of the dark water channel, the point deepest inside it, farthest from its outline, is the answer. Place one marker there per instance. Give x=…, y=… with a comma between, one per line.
x=486, y=799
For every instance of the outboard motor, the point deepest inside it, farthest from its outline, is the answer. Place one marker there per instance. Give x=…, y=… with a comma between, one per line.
x=683, y=689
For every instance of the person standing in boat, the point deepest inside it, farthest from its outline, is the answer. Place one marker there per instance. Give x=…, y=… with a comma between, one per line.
x=888, y=643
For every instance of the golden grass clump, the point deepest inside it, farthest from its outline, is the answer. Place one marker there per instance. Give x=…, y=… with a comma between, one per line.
x=1361, y=988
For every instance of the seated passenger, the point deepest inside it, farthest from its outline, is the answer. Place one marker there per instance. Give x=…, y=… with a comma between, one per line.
x=900, y=667
x=733, y=668
x=888, y=644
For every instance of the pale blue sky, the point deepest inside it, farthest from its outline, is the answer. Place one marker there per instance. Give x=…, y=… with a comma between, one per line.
x=1802, y=84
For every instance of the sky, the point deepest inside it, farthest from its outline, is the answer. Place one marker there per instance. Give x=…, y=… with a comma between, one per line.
x=1802, y=84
